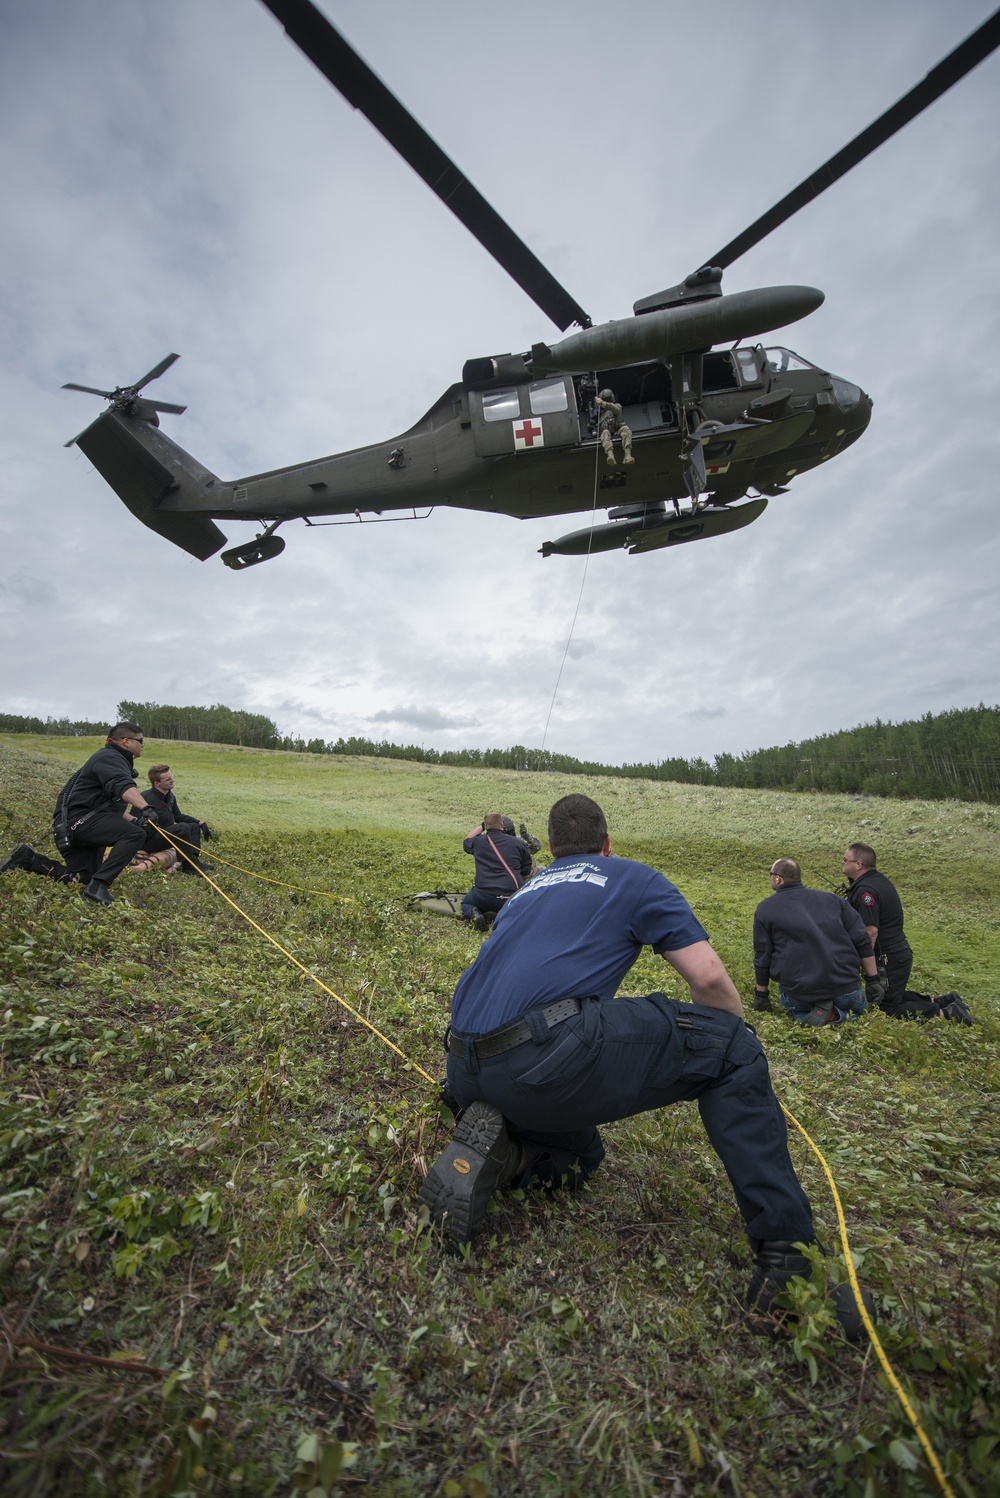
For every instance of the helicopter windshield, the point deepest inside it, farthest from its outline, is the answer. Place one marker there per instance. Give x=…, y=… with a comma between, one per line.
x=781, y=360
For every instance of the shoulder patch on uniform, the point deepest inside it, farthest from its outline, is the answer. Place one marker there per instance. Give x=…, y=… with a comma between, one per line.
x=868, y=898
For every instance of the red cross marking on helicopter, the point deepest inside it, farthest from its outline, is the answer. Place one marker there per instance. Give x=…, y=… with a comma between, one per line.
x=528, y=433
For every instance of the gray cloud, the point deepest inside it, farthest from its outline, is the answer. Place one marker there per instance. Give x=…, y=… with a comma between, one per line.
x=178, y=177
x=423, y=717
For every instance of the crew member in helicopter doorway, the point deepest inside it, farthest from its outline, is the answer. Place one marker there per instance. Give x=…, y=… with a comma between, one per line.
x=612, y=426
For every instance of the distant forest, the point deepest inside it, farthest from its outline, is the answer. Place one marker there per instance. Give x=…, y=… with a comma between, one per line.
x=951, y=755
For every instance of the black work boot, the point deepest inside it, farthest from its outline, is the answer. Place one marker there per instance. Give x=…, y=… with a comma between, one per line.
x=480, y=1158
x=99, y=892
x=821, y=1014
x=777, y=1264
x=21, y=857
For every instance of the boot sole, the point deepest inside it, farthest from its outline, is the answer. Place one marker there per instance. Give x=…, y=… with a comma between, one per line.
x=460, y=1183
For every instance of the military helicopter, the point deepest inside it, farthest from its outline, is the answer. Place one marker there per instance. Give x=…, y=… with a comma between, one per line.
x=714, y=432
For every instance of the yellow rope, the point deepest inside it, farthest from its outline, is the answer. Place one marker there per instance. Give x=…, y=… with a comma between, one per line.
x=175, y=838
x=301, y=965
x=887, y=1368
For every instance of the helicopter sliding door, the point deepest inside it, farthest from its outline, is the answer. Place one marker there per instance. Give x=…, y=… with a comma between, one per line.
x=524, y=417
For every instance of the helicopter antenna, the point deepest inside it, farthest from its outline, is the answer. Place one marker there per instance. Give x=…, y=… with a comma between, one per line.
x=950, y=71
x=337, y=60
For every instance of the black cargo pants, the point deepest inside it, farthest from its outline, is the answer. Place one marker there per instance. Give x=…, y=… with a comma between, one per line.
x=105, y=829
x=628, y=1055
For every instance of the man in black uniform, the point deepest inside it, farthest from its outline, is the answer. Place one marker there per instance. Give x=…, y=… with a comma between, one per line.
x=810, y=942
x=881, y=909
x=503, y=863
x=182, y=825
x=90, y=816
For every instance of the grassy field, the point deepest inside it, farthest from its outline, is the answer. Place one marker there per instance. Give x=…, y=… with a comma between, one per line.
x=209, y=1169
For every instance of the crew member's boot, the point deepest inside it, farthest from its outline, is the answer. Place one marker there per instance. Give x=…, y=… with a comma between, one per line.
x=480, y=1158
x=821, y=1014
x=25, y=857
x=777, y=1264
x=98, y=891
x=21, y=857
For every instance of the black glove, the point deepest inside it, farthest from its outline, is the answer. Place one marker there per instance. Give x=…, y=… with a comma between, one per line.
x=145, y=816
x=206, y=831
x=875, y=991
x=762, y=1001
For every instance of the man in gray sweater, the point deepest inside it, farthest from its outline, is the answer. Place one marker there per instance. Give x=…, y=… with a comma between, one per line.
x=812, y=944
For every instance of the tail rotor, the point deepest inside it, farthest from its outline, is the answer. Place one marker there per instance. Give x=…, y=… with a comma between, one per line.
x=126, y=398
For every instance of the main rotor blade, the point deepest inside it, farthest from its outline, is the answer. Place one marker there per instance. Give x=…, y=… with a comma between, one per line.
x=154, y=374
x=107, y=394
x=337, y=60
x=937, y=82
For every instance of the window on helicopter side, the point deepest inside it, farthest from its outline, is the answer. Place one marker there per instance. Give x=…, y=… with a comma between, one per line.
x=718, y=374
x=746, y=359
x=545, y=396
x=782, y=361
x=501, y=405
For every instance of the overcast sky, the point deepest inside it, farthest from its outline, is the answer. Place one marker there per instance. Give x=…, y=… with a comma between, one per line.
x=176, y=176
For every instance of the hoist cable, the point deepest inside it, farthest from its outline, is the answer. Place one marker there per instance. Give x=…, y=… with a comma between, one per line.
x=579, y=600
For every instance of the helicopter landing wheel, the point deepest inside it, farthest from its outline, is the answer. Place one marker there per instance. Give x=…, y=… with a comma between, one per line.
x=261, y=549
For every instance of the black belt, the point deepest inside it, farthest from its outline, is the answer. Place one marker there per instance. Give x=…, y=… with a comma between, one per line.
x=515, y=1034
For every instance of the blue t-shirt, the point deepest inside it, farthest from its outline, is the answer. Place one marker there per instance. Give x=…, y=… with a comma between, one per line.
x=572, y=932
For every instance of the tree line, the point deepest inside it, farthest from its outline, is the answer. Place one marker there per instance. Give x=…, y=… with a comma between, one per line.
x=950, y=755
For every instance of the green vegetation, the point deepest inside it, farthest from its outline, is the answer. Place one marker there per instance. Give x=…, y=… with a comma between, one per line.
x=209, y=1169
x=955, y=754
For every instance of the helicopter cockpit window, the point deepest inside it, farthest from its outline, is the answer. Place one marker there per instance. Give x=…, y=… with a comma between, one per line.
x=746, y=359
x=546, y=396
x=781, y=360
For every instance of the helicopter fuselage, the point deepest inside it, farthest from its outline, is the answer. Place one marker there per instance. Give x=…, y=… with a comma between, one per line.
x=531, y=449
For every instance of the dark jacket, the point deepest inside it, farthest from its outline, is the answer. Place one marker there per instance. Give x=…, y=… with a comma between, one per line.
x=98, y=785
x=876, y=901
x=491, y=876
x=810, y=942
x=164, y=803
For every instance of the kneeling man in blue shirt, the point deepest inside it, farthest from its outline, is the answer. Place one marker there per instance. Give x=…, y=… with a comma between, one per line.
x=541, y=1051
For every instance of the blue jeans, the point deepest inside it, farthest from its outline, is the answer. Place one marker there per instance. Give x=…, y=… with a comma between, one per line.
x=477, y=899
x=629, y=1055
x=848, y=1005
